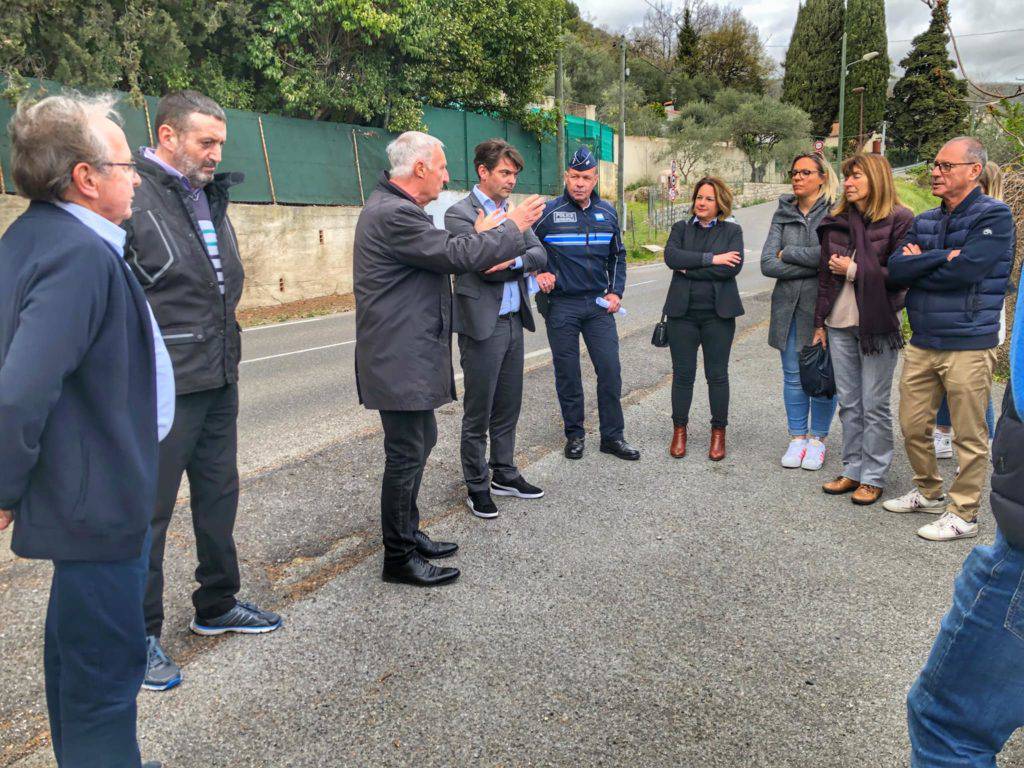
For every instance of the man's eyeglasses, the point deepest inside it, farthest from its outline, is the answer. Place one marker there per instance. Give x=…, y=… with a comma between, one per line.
x=944, y=168
x=802, y=173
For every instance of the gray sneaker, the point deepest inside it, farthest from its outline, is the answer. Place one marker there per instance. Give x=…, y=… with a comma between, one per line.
x=162, y=674
x=244, y=618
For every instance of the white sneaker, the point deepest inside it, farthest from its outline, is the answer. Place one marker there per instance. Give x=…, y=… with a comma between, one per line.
x=943, y=444
x=814, y=457
x=915, y=502
x=947, y=528
x=795, y=453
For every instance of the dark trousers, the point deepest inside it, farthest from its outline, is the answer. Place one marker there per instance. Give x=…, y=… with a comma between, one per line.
x=493, y=373
x=713, y=334
x=203, y=443
x=409, y=437
x=567, y=318
x=95, y=661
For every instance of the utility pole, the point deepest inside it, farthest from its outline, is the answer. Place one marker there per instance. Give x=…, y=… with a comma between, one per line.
x=842, y=102
x=860, y=121
x=560, y=104
x=622, y=134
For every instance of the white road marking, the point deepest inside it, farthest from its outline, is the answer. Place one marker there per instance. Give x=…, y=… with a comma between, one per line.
x=297, y=352
x=352, y=341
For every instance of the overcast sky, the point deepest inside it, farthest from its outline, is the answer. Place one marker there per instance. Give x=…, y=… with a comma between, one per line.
x=998, y=57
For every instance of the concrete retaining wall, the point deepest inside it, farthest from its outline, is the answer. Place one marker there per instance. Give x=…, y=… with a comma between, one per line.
x=646, y=161
x=289, y=252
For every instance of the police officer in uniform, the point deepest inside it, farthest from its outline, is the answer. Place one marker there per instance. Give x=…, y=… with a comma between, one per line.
x=583, y=287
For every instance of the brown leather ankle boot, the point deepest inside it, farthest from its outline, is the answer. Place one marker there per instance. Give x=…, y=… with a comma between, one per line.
x=678, y=448
x=717, y=450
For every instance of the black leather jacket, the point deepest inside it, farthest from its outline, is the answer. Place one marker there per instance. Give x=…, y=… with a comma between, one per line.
x=170, y=261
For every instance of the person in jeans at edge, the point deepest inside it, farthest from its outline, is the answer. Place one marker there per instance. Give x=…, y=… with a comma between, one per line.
x=859, y=306
x=705, y=253
x=183, y=250
x=790, y=255
x=991, y=182
x=969, y=698
x=957, y=260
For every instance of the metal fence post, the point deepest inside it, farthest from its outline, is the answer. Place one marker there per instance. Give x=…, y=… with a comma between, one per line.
x=266, y=159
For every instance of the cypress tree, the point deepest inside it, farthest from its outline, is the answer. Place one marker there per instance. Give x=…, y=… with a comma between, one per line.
x=812, y=61
x=865, y=32
x=687, y=42
x=927, y=105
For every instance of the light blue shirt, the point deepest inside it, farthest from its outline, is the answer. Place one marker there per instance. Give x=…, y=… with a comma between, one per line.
x=510, y=295
x=114, y=236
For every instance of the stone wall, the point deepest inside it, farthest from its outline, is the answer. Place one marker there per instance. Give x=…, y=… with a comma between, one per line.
x=752, y=191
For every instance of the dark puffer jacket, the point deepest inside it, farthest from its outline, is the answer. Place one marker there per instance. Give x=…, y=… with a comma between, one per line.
x=956, y=303
x=168, y=257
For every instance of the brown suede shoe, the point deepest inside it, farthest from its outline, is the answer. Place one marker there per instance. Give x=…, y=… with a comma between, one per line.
x=717, y=450
x=840, y=485
x=866, y=494
x=678, y=448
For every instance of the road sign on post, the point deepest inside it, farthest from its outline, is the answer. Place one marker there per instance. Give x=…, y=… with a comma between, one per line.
x=672, y=179
x=819, y=145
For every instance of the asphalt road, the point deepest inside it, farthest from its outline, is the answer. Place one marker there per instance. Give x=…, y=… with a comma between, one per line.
x=298, y=386
x=658, y=613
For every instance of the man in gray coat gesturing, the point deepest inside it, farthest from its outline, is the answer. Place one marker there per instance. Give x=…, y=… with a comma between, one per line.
x=490, y=313
x=403, y=330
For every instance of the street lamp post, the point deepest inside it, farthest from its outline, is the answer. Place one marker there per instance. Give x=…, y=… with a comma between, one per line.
x=843, y=70
x=859, y=90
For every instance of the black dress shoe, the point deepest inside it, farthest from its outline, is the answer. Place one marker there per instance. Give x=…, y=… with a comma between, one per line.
x=434, y=550
x=418, y=572
x=620, y=448
x=574, y=448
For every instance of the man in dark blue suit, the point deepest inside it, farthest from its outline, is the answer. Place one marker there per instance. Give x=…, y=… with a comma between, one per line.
x=86, y=392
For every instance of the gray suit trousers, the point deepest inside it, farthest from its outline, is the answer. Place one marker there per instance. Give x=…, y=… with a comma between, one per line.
x=493, y=371
x=864, y=389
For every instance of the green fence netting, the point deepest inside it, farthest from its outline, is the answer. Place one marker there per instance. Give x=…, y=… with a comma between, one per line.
x=309, y=162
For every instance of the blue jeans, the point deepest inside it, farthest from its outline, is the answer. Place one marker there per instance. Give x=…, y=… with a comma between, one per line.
x=969, y=698
x=797, y=401
x=942, y=418
x=95, y=660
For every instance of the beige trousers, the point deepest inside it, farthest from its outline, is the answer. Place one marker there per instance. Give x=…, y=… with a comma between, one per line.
x=966, y=378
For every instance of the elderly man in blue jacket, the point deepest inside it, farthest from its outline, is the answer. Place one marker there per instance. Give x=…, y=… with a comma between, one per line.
x=86, y=392
x=956, y=260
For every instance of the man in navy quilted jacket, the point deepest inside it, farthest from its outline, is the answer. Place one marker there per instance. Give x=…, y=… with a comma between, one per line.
x=956, y=260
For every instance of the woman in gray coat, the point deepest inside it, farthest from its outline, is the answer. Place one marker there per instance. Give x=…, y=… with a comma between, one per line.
x=790, y=255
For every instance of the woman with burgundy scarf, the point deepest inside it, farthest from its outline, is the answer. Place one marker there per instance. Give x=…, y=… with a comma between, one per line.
x=860, y=310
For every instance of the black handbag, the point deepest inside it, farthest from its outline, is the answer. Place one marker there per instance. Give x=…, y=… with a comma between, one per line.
x=816, y=375
x=660, y=336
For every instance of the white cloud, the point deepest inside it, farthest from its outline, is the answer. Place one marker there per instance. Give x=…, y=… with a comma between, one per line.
x=987, y=58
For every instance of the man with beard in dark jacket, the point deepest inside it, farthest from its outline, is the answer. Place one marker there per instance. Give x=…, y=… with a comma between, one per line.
x=403, y=295
x=183, y=250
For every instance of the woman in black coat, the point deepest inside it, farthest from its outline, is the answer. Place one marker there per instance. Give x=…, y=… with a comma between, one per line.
x=703, y=302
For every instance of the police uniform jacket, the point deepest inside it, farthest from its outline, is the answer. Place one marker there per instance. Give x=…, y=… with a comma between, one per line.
x=585, y=250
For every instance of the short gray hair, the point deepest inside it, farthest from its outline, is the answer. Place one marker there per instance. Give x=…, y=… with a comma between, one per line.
x=176, y=109
x=974, y=150
x=50, y=137
x=410, y=147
